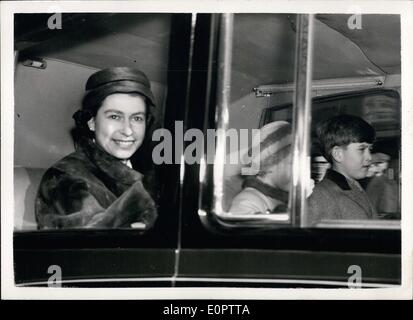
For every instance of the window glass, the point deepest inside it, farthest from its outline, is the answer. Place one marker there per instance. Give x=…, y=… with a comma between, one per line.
x=107, y=179
x=381, y=184
x=260, y=95
x=253, y=161
x=355, y=129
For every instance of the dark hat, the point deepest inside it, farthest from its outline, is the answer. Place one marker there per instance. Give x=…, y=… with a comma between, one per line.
x=116, y=80
x=109, y=81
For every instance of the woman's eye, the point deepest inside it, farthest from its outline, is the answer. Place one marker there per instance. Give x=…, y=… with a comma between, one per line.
x=114, y=117
x=138, y=119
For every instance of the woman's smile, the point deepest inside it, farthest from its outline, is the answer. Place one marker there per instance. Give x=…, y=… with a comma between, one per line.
x=124, y=142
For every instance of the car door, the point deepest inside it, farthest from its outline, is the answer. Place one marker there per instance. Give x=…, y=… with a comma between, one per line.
x=49, y=77
x=219, y=249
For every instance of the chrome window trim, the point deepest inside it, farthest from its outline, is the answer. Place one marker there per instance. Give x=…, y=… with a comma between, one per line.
x=301, y=123
x=360, y=224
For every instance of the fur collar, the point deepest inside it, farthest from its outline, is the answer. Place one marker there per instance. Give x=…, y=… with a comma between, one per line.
x=114, y=174
x=111, y=166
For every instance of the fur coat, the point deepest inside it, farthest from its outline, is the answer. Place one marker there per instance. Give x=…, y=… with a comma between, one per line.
x=337, y=198
x=90, y=188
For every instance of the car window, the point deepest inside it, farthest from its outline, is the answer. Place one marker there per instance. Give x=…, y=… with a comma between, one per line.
x=364, y=187
x=51, y=71
x=258, y=95
x=381, y=108
x=248, y=157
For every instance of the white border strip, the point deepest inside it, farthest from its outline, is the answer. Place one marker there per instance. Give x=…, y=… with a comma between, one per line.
x=407, y=141
x=7, y=148
x=210, y=6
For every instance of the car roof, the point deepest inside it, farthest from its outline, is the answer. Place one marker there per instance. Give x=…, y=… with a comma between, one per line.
x=142, y=40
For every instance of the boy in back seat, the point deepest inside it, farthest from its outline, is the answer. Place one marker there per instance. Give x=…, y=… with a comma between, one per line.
x=345, y=142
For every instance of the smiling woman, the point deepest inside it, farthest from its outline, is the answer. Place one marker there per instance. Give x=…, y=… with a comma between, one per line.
x=96, y=186
x=119, y=125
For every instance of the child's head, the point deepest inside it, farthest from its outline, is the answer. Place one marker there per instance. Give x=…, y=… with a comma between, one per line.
x=345, y=142
x=272, y=156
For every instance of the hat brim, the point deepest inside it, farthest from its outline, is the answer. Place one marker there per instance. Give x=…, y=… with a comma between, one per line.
x=95, y=97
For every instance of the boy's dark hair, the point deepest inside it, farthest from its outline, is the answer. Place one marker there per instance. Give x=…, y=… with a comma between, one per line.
x=342, y=130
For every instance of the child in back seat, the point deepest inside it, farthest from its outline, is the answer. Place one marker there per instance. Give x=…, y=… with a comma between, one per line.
x=345, y=142
x=267, y=191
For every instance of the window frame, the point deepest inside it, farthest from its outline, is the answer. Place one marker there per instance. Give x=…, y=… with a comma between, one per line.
x=300, y=145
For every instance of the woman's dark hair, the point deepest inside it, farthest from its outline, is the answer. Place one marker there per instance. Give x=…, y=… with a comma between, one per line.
x=342, y=130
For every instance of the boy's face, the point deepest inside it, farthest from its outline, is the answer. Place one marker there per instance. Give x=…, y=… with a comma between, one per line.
x=353, y=160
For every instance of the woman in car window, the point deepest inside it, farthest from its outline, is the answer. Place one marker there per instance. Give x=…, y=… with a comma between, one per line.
x=96, y=185
x=267, y=191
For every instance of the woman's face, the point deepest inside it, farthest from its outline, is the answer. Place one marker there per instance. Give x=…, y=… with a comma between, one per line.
x=120, y=124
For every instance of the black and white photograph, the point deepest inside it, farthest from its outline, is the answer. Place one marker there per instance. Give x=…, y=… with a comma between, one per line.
x=215, y=150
